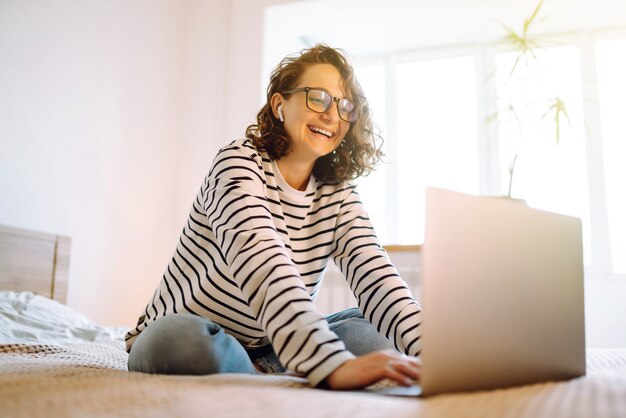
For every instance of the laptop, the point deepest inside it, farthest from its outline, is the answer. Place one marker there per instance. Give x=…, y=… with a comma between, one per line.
x=503, y=296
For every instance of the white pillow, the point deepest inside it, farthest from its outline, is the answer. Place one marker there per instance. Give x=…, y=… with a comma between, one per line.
x=29, y=318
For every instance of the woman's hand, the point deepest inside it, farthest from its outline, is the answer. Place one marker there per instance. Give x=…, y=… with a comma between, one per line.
x=370, y=368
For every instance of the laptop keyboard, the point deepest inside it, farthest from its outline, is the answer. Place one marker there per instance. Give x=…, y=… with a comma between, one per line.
x=391, y=388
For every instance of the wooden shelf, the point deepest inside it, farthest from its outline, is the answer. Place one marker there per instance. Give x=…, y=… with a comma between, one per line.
x=402, y=248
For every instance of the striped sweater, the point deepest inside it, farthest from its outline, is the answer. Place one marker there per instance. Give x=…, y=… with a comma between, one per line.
x=252, y=256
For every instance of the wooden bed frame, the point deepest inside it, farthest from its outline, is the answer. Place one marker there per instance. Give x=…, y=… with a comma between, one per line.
x=34, y=261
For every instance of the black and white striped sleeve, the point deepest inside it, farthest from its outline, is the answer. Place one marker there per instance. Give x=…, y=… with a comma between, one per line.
x=239, y=217
x=383, y=297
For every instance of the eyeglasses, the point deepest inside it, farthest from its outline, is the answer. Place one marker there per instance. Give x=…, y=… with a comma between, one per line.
x=320, y=101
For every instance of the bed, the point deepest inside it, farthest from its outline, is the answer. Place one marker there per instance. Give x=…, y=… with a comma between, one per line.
x=55, y=362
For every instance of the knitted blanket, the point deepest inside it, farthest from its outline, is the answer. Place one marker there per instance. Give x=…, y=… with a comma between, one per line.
x=90, y=380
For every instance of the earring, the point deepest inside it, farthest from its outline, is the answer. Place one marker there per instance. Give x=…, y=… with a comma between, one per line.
x=280, y=113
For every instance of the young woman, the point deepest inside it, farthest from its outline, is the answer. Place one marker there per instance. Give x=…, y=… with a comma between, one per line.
x=237, y=296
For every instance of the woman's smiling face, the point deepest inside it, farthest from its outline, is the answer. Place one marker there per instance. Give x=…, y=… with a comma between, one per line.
x=312, y=135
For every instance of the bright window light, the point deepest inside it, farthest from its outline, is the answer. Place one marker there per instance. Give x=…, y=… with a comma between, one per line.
x=373, y=188
x=611, y=65
x=437, y=136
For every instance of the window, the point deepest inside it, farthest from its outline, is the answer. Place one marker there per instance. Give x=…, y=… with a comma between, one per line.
x=436, y=136
x=611, y=67
x=372, y=79
x=432, y=105
x=430, y=140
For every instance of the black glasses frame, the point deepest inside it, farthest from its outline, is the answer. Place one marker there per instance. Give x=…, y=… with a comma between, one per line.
x=333, y=100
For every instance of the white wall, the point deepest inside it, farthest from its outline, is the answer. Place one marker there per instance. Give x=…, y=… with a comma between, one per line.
x=105, y=114
x=605, y=313
x=365, y=27
x=245, y=82
x=202, y=122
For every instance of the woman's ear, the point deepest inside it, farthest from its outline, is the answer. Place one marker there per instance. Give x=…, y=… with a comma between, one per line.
x=276, y=102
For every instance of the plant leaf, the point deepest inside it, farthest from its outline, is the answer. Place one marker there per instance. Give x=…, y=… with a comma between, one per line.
x=558, y=106
x=529, y=21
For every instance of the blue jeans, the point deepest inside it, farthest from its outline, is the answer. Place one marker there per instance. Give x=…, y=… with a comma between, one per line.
x=189, y=344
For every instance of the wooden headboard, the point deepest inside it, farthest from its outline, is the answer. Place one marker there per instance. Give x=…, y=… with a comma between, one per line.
x=34, y=261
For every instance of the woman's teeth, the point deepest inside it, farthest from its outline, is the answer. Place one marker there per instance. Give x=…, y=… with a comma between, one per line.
x=324, y=132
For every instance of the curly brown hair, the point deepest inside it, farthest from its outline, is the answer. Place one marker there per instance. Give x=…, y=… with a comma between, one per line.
x=360, y=150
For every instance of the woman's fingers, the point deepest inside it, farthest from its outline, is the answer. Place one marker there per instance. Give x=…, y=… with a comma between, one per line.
x=373, y=367
x=403, y=371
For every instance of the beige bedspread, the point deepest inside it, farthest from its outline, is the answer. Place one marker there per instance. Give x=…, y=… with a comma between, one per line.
x=90, y=380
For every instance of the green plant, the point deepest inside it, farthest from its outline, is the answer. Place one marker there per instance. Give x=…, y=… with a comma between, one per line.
x=522, y=105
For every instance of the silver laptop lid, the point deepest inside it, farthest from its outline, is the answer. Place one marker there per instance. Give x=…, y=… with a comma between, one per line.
x=502, y=294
